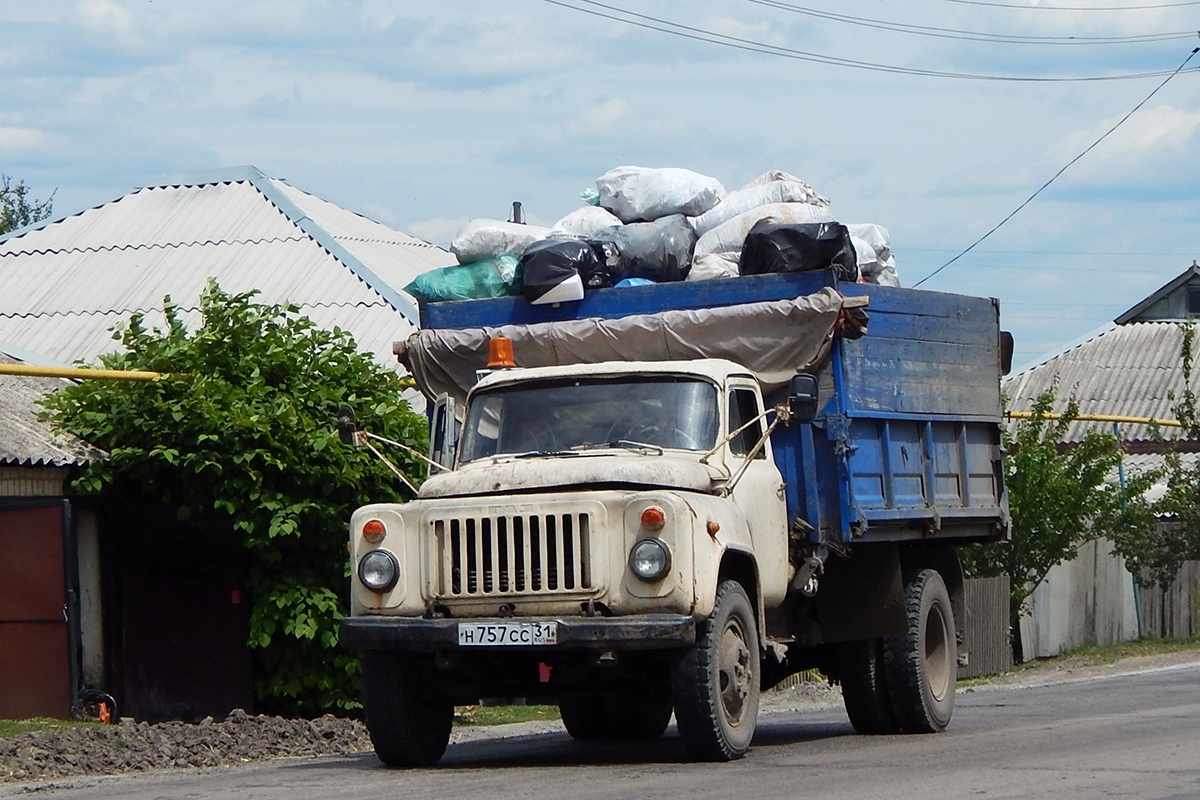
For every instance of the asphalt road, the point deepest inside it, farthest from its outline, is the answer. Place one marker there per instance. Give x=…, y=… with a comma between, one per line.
x=1130, y=735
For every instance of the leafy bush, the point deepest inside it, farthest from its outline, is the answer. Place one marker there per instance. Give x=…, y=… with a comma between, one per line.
x=244, y=430
x=1059, y=498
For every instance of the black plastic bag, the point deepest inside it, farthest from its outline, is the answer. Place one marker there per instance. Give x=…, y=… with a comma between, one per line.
x=551, y=262
x=800, y=247
x=660, y=251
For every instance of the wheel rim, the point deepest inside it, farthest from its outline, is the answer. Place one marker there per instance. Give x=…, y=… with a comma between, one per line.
x=734, y=671
x=937, y=648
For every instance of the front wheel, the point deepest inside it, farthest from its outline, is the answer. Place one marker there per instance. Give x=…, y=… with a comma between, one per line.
x=409, y=721
x=922, y=663
x=715, y=684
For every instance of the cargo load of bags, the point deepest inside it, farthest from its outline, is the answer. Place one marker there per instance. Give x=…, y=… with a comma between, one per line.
x=653, y=225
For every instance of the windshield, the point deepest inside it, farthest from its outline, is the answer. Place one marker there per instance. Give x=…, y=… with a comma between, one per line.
x=561, y=415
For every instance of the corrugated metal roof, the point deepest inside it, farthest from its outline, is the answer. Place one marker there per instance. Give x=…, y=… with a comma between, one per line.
x=26, y=440
x=1129, y=370
x=65, y=283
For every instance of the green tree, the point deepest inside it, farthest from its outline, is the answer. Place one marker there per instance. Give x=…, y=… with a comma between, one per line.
x=1155, y=553
x=1059, y=499
x=244, y=431
x=17, y=209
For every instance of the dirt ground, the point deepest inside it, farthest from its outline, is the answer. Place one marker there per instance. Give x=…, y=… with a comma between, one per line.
x=138, y=746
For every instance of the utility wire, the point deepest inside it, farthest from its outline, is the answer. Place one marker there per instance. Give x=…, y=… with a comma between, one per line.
x=973, y=36
x=1061, y=171
x=1140, y=7
x=712, y=37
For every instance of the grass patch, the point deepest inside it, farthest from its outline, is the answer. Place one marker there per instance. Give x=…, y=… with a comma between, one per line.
x=11, y=727
x=503, y=715
x=1091, y=656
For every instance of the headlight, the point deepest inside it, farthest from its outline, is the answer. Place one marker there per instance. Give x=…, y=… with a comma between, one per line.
x=378, y=570
x=650, y=559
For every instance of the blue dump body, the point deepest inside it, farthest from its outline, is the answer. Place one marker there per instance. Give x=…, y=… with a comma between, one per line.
x=906, y=445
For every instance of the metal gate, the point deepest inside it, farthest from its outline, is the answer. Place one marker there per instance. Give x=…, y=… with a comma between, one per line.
x=36, y=673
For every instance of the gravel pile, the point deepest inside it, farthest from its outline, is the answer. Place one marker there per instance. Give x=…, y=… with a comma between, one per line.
x=138, y=746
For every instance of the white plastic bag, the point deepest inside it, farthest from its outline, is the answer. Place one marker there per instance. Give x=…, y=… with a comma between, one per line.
x=585, y=222
x=713, y=266
x=643, y=194
x=481, y=239
x=876, y=261
x=729, y=236
x=767, y=189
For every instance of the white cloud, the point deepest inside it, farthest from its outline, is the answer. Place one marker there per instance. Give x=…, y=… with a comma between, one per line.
x=1149, y=136
x=108, y=17
x=439, y=231
x=20, y=139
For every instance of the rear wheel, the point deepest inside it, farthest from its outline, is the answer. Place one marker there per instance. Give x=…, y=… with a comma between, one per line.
x=715, y=683
x=639, y=716
x=585, y=716
x=618, y=716
x=409, y=721
x=864, y=687
x=922, y=663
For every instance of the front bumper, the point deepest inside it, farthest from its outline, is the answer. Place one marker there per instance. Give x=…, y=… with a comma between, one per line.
x=644, y=632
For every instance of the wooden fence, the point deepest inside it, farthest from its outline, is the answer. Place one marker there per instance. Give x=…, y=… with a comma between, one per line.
x=1173, y=613
x=985, y=629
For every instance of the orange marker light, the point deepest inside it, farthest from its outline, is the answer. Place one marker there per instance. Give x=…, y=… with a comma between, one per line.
x=500, y=353
x=653, y=519
x=373, y=531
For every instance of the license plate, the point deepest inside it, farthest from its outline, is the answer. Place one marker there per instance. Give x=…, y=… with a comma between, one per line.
x=507, y=634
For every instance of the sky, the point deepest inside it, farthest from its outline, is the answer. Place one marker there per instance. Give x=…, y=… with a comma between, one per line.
x=934, y=118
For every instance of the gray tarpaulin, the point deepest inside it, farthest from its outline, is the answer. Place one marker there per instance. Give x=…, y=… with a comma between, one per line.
x=772, y=339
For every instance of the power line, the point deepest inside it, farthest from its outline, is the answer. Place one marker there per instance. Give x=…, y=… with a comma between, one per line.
x=737, y=43
x=974, y=36
x=1052, y=252
x=1074, y=8
x=1061, y=171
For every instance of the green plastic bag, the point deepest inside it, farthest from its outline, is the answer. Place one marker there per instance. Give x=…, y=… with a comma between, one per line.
x=492, y=277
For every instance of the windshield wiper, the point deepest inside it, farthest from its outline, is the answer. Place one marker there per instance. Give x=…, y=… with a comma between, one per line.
x=625, y=444
x=542, y=454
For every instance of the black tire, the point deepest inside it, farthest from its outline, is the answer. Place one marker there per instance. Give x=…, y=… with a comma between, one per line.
x=864, y=687
x=716, y=682
x=639, y=717
x=616, y=716
x=409, y=721
x=922, y=663
x=585, y=716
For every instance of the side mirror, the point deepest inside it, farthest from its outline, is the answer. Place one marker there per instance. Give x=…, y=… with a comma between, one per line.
x=1006, y=352
x=347, y=425
x=802, y=398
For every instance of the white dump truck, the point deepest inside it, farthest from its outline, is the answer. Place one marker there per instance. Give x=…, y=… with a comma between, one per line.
x=665, y=499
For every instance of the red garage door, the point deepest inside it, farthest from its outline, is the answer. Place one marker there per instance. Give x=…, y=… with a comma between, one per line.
x=34, y=662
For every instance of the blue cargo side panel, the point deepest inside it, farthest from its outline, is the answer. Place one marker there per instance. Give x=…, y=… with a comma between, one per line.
x=616, y=303
x=925, y=354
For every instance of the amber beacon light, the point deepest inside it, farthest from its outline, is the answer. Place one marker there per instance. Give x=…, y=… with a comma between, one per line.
x=500, y=353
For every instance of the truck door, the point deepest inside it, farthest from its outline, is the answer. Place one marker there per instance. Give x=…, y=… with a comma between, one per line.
x=759, y=492
x=443, y=431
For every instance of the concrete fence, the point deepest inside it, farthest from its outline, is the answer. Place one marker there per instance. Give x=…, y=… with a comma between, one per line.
x=1093, y=600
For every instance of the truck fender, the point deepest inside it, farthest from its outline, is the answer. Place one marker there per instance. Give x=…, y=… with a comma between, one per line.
x=741, y=566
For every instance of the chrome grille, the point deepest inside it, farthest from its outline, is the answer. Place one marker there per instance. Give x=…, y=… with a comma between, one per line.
x=510, y=555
